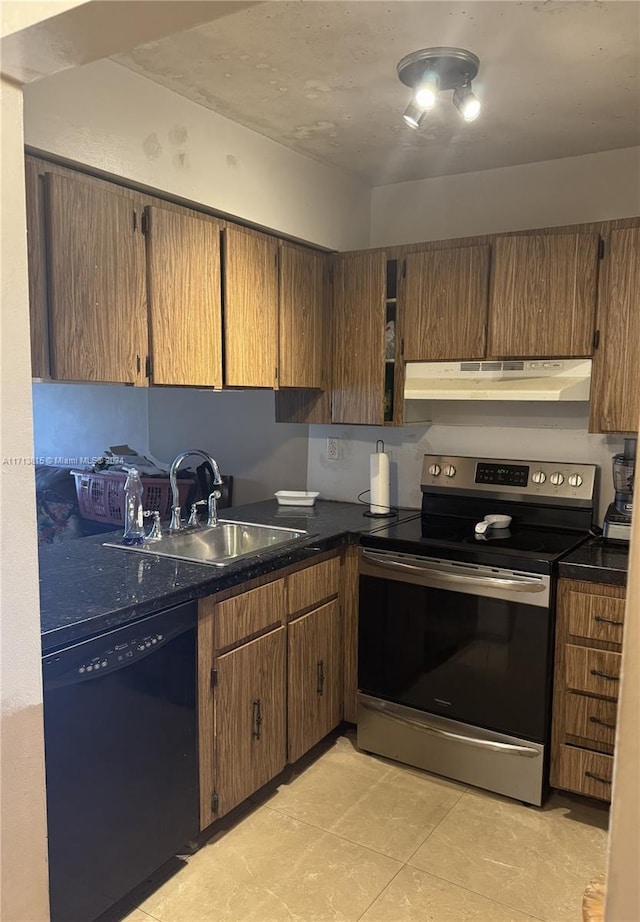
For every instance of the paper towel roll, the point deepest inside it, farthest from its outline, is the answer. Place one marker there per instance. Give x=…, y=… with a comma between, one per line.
x=379, y=483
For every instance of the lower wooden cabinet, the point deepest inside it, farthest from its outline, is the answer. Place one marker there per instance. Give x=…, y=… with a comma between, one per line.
x=314, y=678
x=270, y=682
x=590, y=620
x=249, y=718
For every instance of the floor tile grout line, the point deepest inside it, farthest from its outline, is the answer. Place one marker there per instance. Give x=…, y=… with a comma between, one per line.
x=338, y=836
x=378, y=895
x=456, y=883
x=439, y=823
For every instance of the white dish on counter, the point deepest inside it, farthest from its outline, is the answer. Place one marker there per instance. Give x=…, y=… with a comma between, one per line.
x=296, y=497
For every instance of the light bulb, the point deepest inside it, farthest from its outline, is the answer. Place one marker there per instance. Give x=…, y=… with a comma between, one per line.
x=466, y=103
x=426, y=92
x=413, y=115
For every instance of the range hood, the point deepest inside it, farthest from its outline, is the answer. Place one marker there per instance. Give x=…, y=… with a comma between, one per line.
x=537, y=379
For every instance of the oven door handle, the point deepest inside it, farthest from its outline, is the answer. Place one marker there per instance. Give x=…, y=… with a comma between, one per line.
x=527, y=752
x=455, y=579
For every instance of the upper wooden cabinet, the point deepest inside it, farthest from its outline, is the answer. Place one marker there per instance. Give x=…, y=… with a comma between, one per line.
x=615, y=388
x=250, y=309
x=359, y=304
x=303, y=317
x=444, y=296
x=183, y=285
x=543, y=295
x=96, y=283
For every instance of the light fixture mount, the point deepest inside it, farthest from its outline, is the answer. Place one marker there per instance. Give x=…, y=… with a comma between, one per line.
x=454, y=67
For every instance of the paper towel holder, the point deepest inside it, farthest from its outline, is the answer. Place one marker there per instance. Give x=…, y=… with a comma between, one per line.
x=379, y=515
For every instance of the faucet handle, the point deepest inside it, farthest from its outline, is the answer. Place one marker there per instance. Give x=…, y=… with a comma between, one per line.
x=155, y=532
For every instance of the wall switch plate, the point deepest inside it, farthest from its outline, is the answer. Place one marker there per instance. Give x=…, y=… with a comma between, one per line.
x=333, y=450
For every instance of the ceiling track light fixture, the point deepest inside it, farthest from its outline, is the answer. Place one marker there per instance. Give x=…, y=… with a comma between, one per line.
x=430, y=71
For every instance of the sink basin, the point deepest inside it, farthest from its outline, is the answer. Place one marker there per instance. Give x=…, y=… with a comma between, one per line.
x=219, y=545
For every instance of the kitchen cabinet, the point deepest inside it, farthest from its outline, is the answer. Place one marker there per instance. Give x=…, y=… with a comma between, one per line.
x=589, y=632
x=445, y=298
x=270, y=679
x=359, y=313
x=543, y=295
x=96, y=283
x=304, y=316
x=250, y=308
x=250, y=718
x=314, y=665
x=183, y=287
x=37, y=265
x=615, y=386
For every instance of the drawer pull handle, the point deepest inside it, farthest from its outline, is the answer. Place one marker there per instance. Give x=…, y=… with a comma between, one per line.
x=320, y=673
x=602, y=723
x=608, y=621
x=596, y=778
x=605, y=675
x=256, y=733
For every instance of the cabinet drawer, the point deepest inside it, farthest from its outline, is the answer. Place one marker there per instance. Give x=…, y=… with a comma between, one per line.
x=590, y=718
x=598, y=617
x=593, y=671
x=309, y=587
x=585, y=772
x=248, y=613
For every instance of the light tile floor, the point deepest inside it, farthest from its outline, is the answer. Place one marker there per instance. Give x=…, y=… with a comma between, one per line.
x=352, y=837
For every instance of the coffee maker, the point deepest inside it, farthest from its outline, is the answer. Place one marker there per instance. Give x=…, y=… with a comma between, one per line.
x=617, y=521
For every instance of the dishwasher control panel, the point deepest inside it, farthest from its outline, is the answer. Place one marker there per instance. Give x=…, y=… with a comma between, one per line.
x=121, y=654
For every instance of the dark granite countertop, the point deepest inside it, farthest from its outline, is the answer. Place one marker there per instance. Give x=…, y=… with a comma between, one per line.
x=86, y=588
x=597, y=562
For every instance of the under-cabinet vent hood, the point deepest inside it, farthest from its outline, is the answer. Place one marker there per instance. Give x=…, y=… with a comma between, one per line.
x=537, y=379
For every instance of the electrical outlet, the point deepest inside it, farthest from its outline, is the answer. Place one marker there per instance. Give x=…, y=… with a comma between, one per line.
x=333, y=450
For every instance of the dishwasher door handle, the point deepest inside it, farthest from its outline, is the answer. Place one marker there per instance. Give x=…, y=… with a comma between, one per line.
x=455, y=579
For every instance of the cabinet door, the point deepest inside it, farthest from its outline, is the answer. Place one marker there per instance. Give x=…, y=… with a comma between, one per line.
x=250, y=309
x=445, y=304
x=303, y=317
x=249, y=718
x=543, y=295
x=315, y=678
x=37, y=261
x=183, y=285
x=615, y=387
x=358, y=338
x=97, y=284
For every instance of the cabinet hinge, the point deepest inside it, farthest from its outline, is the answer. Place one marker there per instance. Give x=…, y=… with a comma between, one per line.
x=138, y=364
x=144, y=223
x=601, y=249
x=135, y=220
x=148, y=367
x=214, y=802
x=596, y=339
x=214, y=678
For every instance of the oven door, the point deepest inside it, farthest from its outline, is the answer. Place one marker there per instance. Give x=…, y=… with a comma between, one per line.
x=468, y=643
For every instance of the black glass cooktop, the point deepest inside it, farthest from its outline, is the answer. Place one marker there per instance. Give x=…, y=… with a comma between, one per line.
x=521, y=546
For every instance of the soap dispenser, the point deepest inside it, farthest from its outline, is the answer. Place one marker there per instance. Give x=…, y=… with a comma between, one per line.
x=133, y=511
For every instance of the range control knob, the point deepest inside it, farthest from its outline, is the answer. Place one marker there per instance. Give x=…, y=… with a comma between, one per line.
x=449, y=470
x=434, y=470
x=557, y=479
x=538, y=476
x=575, y=480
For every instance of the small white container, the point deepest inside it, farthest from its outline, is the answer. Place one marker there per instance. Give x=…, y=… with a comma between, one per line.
x=295, y=497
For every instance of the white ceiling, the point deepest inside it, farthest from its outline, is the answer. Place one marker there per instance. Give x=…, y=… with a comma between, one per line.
x=556, y=79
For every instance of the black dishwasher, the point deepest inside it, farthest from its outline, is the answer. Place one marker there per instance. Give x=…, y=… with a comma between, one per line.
x=121, y=759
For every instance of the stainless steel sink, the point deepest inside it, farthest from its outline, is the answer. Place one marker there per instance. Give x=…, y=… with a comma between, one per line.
x=218, y=545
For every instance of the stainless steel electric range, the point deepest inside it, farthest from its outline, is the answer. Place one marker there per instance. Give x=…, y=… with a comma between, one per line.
x=456, y=620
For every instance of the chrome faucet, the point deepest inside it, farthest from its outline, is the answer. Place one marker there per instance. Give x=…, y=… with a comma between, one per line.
x=176, y=521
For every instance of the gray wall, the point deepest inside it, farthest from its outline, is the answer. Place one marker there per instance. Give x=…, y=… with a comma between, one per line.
x=554, y=432
x=238, y=429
